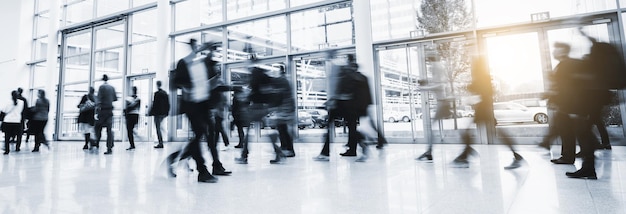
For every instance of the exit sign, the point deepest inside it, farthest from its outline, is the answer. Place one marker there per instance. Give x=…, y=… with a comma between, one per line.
x=539, y=17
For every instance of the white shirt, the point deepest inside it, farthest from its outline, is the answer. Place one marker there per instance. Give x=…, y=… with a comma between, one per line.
x=14, y=112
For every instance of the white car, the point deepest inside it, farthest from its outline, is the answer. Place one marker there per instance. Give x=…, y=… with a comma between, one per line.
x=514, y=112
x=396, y=116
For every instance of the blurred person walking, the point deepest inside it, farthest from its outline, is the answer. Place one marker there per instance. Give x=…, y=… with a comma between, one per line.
x=238, y=110
x=87, y=109
x=159, y=110
x=193, y=77
x=481, y=86
x=11, y=118
x=267, y=96
x=25, y=115
x=437, y=87
x=40, y=119
x=104, y=114
x=131, y=113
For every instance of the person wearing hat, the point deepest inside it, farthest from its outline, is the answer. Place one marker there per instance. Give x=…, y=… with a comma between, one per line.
x=104, y=113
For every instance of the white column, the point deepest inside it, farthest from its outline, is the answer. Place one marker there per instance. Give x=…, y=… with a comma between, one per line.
x=164, y=13
x=364, y=48
x=52, y=68
x=163, y=50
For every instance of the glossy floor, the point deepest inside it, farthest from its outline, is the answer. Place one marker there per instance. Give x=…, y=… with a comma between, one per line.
x=67, y=179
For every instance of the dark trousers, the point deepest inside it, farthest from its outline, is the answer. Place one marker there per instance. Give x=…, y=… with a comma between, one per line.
x=202, y=125
x=18, y=137
x=10, y=130
x=37, y=127
x=353, y=136
x=604, y=134
x=105, y=119
x=260, y=110
x=158, y=119
x=565, y=128
x=219, y=130
x=587, y=141
x=286, y=141
x=131, y=122
x=197, y=118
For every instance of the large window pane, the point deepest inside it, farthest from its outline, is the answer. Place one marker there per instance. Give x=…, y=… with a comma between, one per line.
x=43, y=24
x=72, y=95
x=295, y=3
x=109, y=62
x=42, y=5
x=194, y=13
x=40, y=71
x=321, y=28
x=243, y=8
x=516, y=11
x=112, y=36
x=79, y=12
x=77, y=68
x=144, y=26
x=41, y=48
x=264, y=37
x=142, y=58
x=106, y=7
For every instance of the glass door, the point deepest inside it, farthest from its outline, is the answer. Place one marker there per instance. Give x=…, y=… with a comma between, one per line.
x=87, y=55
x=145, y=90
x=239, y=75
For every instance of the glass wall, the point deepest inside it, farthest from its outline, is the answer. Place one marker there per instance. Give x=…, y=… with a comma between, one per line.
x=263, y=37
x=107, y=7
x=79, y=11
x=142, y=45
x=195, y=13
x=244, y=8
x=321, y=28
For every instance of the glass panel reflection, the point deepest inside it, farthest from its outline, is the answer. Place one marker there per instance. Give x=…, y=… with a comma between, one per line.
x=195, y=13
x=263, y=37
x=321, y=28
x=79, y=12
x=244, y=8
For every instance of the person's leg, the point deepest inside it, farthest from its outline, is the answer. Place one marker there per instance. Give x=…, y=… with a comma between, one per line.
x=219, y=128
x=158, y=119
x=604, y=134
x=353, y=136
x=107, y=120
x=332, y=114
x=197, y=118
x=18, y=138
x=36, y=129
x=129, y=130
x=587, y=147
x=84, y=128
x=7, y=139
x=568, y=140
x=98, y=135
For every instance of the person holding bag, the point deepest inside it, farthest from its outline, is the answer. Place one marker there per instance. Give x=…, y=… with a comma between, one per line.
x=11, y=123
x=86, y=116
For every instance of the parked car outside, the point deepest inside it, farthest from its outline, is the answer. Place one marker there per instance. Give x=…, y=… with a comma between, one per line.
x=396, y=116
x=319, y=117
x=514, y=112
x=304, y=120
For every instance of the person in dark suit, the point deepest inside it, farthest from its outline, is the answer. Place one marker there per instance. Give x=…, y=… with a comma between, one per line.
x=104, y=112
x=193, y=77
x=159, y=110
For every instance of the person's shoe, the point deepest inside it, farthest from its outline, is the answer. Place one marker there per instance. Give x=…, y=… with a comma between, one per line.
x=379, y=146
x=170, y=168
x=5, y=153
x=108, y=152
x=35, y=150
x=460, y=163
x=515, y=164
x=159, y=146
x=348, y=154
x=363, y=158
x=18, y=149
x=226, y=144
x=278, y=160
x=221, y=171
x=85, y=147
x=289, y=153
x=239, y=146
x=130, y=148
x=207, y=178
x=241, y=160
x=587, y=174
x=607, y=147
x=321, y=158
x=561, y=160
x=425, y=157
x=45, y=143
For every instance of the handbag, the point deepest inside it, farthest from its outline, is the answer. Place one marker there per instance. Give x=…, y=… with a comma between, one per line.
x=87, y=106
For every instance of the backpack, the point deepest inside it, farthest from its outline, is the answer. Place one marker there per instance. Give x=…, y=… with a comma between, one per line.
x=353, y=88
x=608, y=65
